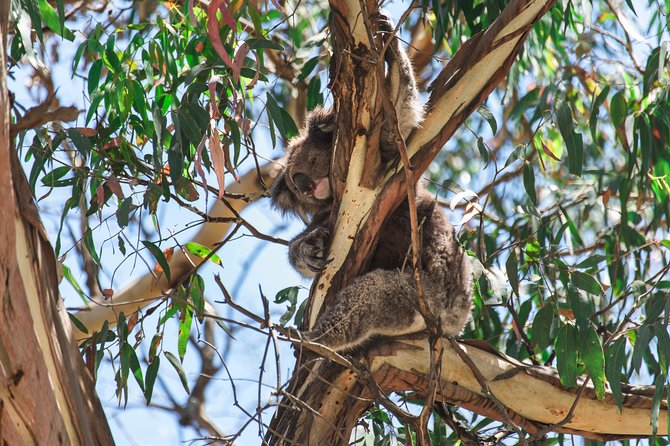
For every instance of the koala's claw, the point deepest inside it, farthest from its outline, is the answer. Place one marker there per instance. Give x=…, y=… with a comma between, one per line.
x=308, y=252
x=385, y=23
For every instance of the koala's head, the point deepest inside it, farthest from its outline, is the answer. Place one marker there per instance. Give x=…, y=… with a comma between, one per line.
x=304, y=188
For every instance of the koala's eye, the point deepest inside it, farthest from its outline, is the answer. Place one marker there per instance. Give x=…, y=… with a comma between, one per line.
x=302, y=182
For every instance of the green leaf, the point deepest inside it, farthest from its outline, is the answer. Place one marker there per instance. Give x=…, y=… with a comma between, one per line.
x=72, y=281
x=123, y=213
x=94, y=76
x=615, y=359
x=158, y=255
x=573, y=140
x=641, y=346
x=281, y=118
x=593, y=121
x=51, y=20
x=152, y=373
x=256, y=44
x=566, y=355
x=618, y=108
x=485, y=113
x=203, y=252
x=540, y=331
x=180, y=370
x=580, y=306
x=197, y=292
x=656, y=403
x=52, y=177
x=571, y=226
x=77, y=323
x=529, y=182
x=511, y=266
x=289, y=295
x=662, y=344
x=134, y=364
x=184, y=331
x=88, y=242
x=483, y=151
x=586, y=282
x=307, y=68
x=594, y=360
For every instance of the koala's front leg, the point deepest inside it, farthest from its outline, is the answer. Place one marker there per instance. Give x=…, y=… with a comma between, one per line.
x=307, y=252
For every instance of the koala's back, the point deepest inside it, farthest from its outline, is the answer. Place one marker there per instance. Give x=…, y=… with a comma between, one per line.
x=395, y=237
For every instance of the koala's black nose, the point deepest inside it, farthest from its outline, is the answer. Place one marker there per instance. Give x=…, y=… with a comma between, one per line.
x=302, y=182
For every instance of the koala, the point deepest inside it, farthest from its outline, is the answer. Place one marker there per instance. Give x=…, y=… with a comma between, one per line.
x=383, y=301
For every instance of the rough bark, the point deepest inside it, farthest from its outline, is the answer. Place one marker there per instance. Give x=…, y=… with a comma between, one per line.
x=47, y=397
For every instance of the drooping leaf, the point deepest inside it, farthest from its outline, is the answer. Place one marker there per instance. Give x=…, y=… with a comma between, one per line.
x=615, y=358
x=184, y=331
x=179, y=369
x=540, y=331
x=591, y=352
x=151, y=374
x=159, y=256
x=485, y=113
x=566, y=355
x=579, y=304
x=641, y=346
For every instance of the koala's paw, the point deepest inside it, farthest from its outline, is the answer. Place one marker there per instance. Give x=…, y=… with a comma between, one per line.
x=385, y=23
x=307, y=253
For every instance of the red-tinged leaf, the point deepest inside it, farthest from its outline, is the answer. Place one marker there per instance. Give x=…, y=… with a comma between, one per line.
x=113, y=185
x=86, y=131
x=132, y=321
x=255, y=79
x=606, y=196
x=198, y=165
x=218, y=159
x=226, y=15
x=211, y=86
x=549, y=153
x=100, y=193
x=190, y=12
x=241, y=53
x=213, y=31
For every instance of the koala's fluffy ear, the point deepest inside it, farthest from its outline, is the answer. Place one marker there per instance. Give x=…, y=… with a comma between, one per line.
x=321, y=122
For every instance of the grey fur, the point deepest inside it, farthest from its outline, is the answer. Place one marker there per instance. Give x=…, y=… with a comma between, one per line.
x=383, y=300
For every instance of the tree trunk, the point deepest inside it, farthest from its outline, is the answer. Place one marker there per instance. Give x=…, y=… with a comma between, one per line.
x=325, y=400
x=47, y=397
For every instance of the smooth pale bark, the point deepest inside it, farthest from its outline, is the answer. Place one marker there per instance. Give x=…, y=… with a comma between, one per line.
x=47, y=397
x=532, y=393
x=147, y=289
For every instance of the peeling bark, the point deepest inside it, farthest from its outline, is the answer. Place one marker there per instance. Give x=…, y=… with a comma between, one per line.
x=47, y=396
